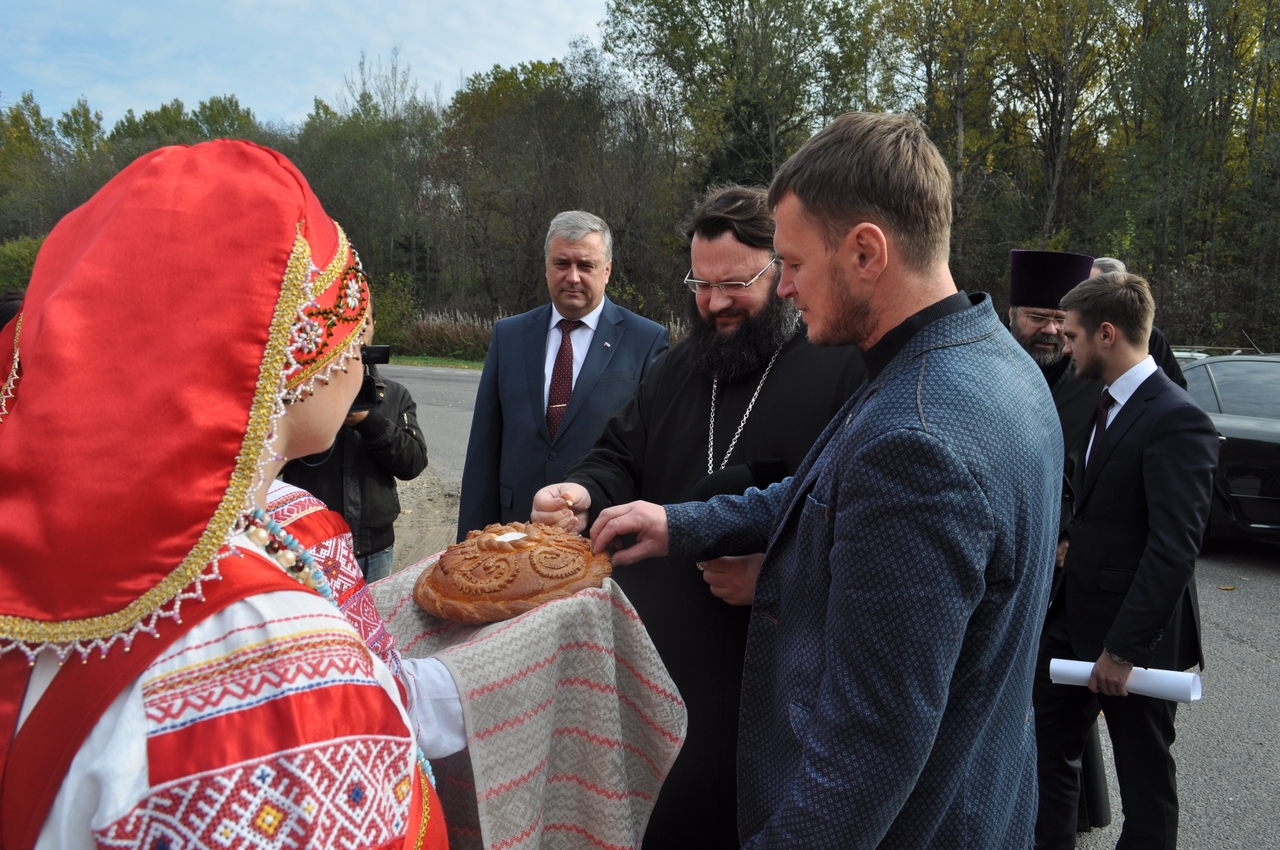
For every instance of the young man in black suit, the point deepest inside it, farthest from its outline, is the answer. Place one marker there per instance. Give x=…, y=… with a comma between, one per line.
x=1128, y=594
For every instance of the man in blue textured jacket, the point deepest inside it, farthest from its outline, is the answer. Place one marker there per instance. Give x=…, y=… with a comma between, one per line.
x=886, y=696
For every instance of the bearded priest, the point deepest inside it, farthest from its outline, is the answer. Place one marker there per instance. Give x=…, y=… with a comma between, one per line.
x=736, y=404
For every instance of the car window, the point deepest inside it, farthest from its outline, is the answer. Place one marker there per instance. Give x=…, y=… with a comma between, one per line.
x=1201, y=388
x=1249, y=387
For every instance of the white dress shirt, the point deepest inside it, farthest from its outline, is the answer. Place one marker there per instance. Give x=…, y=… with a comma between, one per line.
x=580, y=339
x=1121, y=391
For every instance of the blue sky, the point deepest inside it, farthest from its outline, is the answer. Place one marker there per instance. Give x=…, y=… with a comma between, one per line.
x=274, y=55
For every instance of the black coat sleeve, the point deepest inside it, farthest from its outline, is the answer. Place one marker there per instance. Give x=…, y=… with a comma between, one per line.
x=1178, y=463
x=1158, y=348
x=480, y=504
x=612, y=472
x=397, y=444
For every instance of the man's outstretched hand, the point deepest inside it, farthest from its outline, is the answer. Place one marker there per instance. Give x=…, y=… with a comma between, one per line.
x=647, y=521
x=562, y=505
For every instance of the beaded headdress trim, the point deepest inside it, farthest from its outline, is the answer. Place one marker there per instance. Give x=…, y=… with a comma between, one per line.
x=303, y=282
x=6, y=392
x=312, y=347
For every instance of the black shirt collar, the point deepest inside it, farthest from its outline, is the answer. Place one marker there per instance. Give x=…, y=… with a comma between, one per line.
x=878, y=356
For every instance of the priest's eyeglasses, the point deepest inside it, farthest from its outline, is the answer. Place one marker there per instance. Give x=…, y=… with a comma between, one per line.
x=728, y=287
x=1039, y=320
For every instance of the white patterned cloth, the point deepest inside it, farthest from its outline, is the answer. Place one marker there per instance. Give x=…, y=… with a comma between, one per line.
x=268, y=725
x=572, y=721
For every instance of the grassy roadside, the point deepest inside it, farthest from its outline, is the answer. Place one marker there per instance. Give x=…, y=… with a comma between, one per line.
x=446, y=362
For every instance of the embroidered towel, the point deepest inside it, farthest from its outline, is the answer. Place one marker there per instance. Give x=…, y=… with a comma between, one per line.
x=572, y=721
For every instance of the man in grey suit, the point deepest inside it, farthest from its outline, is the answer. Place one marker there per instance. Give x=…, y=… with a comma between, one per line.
x=886, y=695
x=553, y=377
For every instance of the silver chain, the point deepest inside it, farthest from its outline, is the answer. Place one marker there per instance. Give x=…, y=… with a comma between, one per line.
x=711, y=431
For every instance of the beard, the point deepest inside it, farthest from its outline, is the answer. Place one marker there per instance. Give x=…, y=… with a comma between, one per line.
x=854, y=321
x=1044, y=357
x=729, y=355
x=1087, y=367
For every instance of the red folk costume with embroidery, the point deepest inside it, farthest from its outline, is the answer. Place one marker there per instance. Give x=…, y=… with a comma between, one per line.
x=211, y=696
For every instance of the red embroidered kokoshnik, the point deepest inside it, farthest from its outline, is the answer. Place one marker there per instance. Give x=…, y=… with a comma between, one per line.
x=208, y=698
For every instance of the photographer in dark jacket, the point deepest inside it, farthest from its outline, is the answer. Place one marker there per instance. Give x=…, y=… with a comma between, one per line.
x=356, y=477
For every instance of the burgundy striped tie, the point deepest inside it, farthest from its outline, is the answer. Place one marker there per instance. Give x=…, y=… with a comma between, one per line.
x=561, y=376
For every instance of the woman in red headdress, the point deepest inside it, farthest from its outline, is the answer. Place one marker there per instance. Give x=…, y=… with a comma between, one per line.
x=185, y=332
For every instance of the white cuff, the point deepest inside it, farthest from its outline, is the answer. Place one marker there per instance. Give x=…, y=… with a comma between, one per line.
x=434, y=707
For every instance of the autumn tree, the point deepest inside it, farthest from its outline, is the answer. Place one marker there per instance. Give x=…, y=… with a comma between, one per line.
x=527, y=142
x=752, y=76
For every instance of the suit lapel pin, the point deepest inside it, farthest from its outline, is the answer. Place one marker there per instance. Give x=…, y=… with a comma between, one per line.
x=606, y=345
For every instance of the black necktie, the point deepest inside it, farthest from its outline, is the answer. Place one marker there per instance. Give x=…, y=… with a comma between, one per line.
x=561, y=376
x=1100, y=422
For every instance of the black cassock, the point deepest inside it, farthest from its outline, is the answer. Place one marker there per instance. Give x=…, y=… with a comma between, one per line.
x=1077, y=402
x=655, y=449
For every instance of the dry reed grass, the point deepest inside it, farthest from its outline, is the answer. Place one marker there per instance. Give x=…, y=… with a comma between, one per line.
x=465, y=336
x=454, y=334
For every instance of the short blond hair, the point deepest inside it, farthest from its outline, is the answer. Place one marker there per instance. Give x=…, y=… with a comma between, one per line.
x=1120, y=298
x=877, y=167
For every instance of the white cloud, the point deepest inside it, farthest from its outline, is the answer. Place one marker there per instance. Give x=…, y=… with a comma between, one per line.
x=274, y=55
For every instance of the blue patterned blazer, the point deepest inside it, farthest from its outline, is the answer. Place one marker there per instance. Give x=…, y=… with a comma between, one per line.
x=886, y=700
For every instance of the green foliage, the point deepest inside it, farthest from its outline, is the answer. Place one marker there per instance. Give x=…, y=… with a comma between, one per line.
x=17, y=259
x=224, y=118
x=169, y=124
x=27, y=131
x=81, y=131
x=50, y=166
x=522, y=144
x=219, y=117
x=1148, y=130
x=396, y=310
x=751, y=78
x=440, y=362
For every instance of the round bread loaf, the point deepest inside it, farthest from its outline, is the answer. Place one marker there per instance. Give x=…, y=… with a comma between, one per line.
x=505, y=570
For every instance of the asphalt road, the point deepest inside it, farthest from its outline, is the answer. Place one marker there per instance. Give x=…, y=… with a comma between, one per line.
x=1228, y=747
x=445, y=398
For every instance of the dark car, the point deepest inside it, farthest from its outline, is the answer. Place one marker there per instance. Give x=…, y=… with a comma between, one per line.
x=1241, y=393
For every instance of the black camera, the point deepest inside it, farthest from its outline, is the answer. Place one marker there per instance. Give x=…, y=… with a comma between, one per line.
x=370, y=355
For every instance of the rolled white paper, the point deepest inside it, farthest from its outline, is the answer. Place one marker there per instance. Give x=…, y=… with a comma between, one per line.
x=1161, y=684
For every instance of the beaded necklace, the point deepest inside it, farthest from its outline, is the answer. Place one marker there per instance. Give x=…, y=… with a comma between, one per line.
x=264, y=531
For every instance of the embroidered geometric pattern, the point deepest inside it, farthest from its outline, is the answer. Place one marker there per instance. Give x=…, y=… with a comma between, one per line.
x=346, y=793
x=286, y=506
x=362, y=614
x=254, y=674
x=336, y=557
